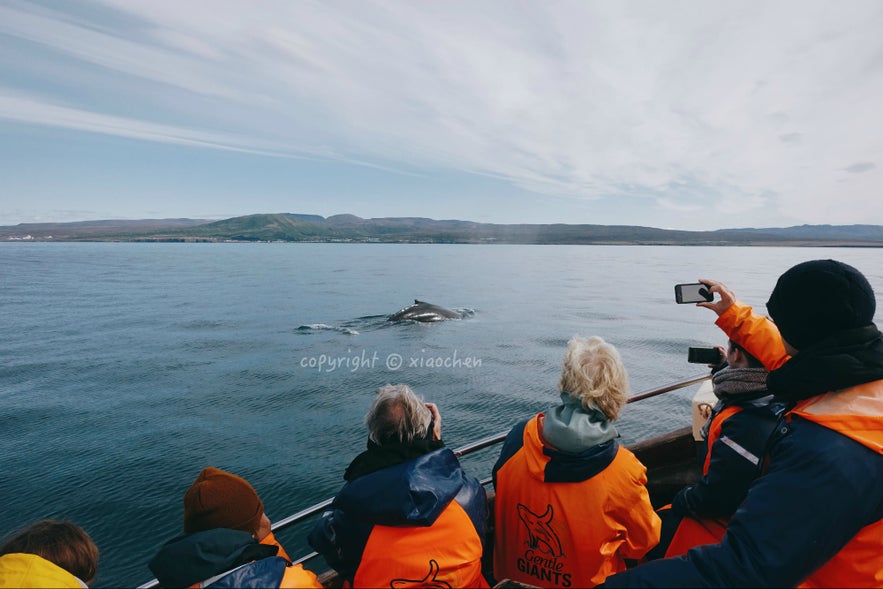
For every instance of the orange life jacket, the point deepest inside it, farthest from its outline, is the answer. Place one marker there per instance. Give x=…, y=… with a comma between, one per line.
x=445, y=554
x=697, y=532
x=569, y=534
x=857, y=413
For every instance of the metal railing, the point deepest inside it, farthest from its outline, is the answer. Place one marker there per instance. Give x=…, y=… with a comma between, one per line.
x=459, y=452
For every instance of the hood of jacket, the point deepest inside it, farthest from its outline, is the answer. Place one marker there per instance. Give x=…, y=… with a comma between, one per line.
x=411, y=493
x=845, y=359
x=193, y=558
x=22, y=570
x=571, y=428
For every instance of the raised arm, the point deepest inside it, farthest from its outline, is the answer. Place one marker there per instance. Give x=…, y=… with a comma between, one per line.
x=757, y=334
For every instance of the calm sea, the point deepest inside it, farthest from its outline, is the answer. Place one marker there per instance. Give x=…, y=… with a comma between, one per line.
x=126, y=368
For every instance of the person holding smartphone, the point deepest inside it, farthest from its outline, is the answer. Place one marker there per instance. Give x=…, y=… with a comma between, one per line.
x=814, y=518
x=735, y=434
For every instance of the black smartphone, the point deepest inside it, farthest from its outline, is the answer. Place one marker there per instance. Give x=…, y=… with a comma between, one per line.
x=704, y=356
x=694, y=292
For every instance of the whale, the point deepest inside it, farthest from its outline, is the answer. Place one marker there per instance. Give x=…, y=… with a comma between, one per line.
x=424, y=312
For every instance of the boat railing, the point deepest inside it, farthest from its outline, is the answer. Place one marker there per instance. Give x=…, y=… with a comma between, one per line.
x=470, y=448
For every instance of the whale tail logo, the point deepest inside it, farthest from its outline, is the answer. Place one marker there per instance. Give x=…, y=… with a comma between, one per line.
x=427, y=582
x=540, y=534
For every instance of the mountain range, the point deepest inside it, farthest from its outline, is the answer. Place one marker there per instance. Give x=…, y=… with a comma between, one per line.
x=289, y=227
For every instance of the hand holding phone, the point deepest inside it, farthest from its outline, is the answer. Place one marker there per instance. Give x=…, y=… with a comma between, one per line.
x=693, y=292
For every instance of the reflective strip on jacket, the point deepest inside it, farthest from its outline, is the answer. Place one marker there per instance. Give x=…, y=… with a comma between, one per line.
x=737, y=439
x=695, y=529
x=856, y=413
x=568, y=534
x=813, y=518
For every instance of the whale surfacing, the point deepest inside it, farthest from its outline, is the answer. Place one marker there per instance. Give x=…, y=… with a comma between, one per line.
x=424, y=312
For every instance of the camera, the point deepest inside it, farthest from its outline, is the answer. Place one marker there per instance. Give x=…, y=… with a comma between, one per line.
x=704, y=356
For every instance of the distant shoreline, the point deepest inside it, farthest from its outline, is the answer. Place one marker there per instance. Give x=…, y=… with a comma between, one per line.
x=299, y=228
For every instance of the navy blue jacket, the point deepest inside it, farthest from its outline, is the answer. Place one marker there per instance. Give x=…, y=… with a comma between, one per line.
x=811, y=467
x=412, y=493
x=736, y=457
x=194, y=558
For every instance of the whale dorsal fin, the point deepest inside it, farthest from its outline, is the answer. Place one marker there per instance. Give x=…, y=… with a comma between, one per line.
x=416, y=302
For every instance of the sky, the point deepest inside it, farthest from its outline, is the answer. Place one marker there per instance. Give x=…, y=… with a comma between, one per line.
x=686, y=115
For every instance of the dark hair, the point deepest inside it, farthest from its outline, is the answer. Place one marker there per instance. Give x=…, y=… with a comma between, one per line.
x=752, y=361
x=62, y=543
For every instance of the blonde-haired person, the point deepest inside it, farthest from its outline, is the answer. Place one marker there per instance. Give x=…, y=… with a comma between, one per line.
x=571, y=502
x=49, y=553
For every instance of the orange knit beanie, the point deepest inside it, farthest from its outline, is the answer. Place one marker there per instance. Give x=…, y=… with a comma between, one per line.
x=218, y=499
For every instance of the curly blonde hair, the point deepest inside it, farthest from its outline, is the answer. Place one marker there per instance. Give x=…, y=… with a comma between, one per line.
x=594, y=373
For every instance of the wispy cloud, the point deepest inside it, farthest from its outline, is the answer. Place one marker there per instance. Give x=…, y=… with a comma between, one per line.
x=767, y=104
x=861, y=167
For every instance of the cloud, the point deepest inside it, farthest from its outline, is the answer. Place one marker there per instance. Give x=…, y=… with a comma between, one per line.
x=861, y=167
x=34, y=110
x=684, y=104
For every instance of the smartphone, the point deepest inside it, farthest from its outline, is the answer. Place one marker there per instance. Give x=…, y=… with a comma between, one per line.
x=694, y=292
x=704, y=356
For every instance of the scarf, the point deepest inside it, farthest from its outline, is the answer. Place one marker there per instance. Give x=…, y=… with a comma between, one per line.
x=740, y=384
x=737, y=385
x=847, y=358
x=571, y=428
x=378, y=457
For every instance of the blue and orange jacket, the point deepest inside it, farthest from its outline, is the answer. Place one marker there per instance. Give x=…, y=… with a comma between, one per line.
x=568, y=520
x=815, y=517
x=855, y=413
x=227, y=558
x=417, y=523
x=737, y=439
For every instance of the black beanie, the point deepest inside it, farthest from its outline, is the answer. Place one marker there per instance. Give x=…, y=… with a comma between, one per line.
x=816, y=299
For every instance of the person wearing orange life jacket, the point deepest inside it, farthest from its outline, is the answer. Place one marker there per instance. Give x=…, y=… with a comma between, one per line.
x=736, y=434
x=815, y=516
x=227, y=540
x=571, y=502
x=408, y=515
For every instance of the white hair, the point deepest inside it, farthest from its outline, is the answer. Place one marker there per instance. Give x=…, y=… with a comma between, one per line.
x=397, y=415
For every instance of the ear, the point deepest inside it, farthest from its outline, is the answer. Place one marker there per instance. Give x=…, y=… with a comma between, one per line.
x=739, y=359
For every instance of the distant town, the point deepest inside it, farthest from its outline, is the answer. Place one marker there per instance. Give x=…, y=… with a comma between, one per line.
x=290, y=227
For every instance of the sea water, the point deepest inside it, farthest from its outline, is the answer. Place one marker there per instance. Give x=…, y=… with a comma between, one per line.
x=126, y=368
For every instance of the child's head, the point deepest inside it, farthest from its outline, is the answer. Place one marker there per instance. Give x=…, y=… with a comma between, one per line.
x=219, y=499
x=62, y=543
